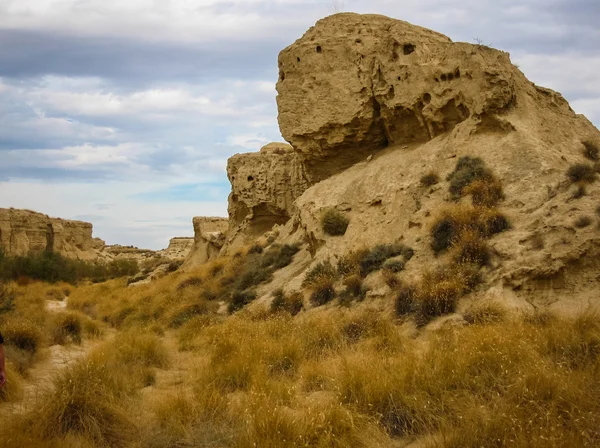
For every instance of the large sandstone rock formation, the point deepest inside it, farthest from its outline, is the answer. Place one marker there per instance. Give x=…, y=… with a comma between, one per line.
x=355, y=84
x=209, y=237
x=264, y=186
x=24, y=231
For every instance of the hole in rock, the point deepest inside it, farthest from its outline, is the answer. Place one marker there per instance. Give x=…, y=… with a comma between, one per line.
x=457, y=73
x=319, y=49
x=282, y=76
x=250, y=178
x=399, y=78
x=444, y=77
x=358, y=41
x=450, y=77
x=298, y=59
x=427, y=98
x=409, y=48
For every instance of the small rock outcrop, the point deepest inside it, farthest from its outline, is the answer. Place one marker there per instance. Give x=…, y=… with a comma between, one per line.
x=355, y=84
x=210, y=234
x=179, y=248
x=264, y=186
x=24, y=231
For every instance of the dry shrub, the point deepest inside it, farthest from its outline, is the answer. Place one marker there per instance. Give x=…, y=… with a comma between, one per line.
x=291, y=303
x=187, y=311
x=454, y=221
x=67, y=326
x=323, y=292
x=374, y=259
x=485, y=192
x=470, y=247
x=468, y=169
x=405, y=300
x=591, y=151
x=13, y=388
x=349, y=263
x=430, y=179
x=390, y=279
x=486, y=313
x=334, y=223
x=320, y=272
x=277, y=257
x=190, y=282
x=439, y=290
x=581, y=173
x=353, y=284
x=240, y=299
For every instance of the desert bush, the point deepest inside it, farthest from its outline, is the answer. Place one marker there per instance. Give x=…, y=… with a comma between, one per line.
x=255, y=249
x=454, y=221
x=376, y=257
x=429, y=179
x=292, y=303
x=322, y=270
x=581, y=172
x=279, y=257
x=334, y=223
x=353, y=284
x=583, y=221
x=390, y=278
x=322, y=292
x=253, y=274
x=591, y=151
x=486, y=313
x=240, y=299
x=174, y=265
x=67, y=325
x=394, y=265
x=22, y=334
x=349, y=263
x=468, y=169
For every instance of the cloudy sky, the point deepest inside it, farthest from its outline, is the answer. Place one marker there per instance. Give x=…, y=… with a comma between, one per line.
x=123, y=113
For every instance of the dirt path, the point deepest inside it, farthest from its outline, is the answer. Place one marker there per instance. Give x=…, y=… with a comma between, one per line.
x=53, y=361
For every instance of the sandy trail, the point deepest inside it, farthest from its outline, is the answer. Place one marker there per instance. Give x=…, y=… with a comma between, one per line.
x=53, y=361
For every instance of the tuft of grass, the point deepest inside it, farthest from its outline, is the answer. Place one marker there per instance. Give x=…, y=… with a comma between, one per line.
x=22, y=334
x=583, y=221
x=334, y=223
x=591, y=151
x=67, y=326
x=471, y=248
x=485, y=192
x=581, y=173
x=486, y=313
x=430, y=179
x=353, y=284
x=12, y=390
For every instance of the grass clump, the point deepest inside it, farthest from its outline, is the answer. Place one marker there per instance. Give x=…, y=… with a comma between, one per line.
x=405, y=300
x=581, y=173
x=334, y=223
x=321, y=271
x=374, y=259
x=291, y=303
x=486, y=313
x=430, y=179
x=453, y=222
x=240, y=299
x=468, y=169
x=591, y=151
x=67, y=326
x=323, y=292
x=22, y=334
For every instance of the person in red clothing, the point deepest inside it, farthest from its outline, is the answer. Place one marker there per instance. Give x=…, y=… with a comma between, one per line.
x=2, y=367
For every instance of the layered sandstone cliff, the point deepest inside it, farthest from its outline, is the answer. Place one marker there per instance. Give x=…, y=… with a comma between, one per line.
x=179, y=248
x=209, y=237
x=24, y=231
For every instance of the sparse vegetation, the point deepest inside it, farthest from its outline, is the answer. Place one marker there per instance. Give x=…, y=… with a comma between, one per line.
x=374, y=259
x=591, y=151
x=291, y=303
x=240, y=299
x=334, y=223
x=581, y=173
x=323, y=292
x=430, y=179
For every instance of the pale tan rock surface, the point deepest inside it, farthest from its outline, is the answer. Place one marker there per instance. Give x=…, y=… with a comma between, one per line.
x=179, y=248
x=24, y=231
x=264, y=186
x=355, y=84
x=209, y=237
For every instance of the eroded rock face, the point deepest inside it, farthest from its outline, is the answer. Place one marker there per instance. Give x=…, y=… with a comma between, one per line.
x=179, y=248
x=354, y=84
x=210, y=234
x=24, y=231
x=264, y=186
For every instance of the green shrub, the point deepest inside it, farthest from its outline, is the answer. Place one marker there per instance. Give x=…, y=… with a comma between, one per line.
x=240, y=299
x=581, y=172
x=591, y=151
x=394, y=266
x=253, y=274
x=334, y=223
x=430, y=179
x=467, y=170
x=374, y=259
